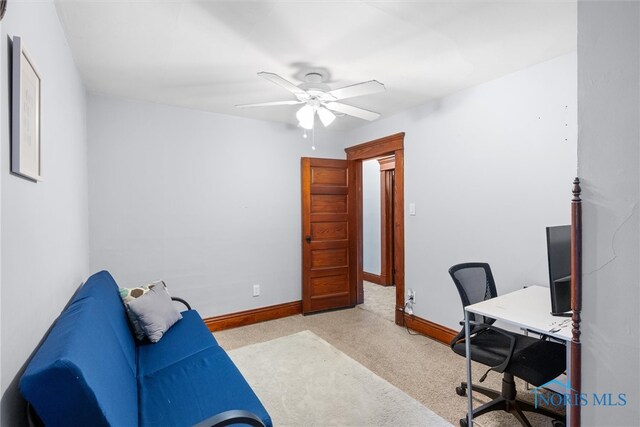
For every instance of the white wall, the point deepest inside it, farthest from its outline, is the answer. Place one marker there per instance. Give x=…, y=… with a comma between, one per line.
x=608, y=159
x=488, y=169
x=371, y=239
x=207, y=202
x=45, y=242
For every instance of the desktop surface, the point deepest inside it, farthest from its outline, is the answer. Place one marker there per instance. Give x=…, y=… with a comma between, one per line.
x=528, y=308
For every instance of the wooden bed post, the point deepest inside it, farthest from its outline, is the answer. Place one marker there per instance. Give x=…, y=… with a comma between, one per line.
x=576, y=301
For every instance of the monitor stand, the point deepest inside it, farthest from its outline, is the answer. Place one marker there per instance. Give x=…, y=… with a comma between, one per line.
x=561, y=297
x=565, y=314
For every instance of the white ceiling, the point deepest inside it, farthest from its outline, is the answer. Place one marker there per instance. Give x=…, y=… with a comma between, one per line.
x=205, y=54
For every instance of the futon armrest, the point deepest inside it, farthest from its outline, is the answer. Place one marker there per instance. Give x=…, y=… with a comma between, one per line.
x=33, y=420
x=182, y=301
x=232, y=417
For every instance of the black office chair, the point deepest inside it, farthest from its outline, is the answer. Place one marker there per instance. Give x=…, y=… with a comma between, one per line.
x=535, y=361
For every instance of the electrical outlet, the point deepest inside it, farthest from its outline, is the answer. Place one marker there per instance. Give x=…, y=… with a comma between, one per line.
x=411, y=299
x=256, y=290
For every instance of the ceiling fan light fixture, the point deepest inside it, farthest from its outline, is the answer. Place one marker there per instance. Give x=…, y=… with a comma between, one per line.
x=318, y=97
x=306, y=116
x=326, y=116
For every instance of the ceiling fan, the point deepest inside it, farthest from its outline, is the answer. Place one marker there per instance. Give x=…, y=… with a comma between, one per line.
x=318, y=98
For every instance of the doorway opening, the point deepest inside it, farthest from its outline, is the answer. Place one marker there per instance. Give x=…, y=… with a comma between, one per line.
x=378, y=178
x=388, y=153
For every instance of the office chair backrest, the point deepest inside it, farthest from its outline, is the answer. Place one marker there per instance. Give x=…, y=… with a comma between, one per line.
x=475, y=283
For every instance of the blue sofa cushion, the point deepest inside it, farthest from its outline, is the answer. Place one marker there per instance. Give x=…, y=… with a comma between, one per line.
x=103, y=288
x=186, y=338
x=194, y=389
x=80, y=375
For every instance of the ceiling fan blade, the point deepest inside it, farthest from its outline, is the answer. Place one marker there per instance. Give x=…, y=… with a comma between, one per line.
x=274, y=78
x=350, y=110
x=326, y=116
x=269, y=104
x=358, y=89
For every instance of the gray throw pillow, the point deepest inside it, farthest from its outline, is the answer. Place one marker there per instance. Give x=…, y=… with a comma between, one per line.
x=155, y=312
x=128, y=295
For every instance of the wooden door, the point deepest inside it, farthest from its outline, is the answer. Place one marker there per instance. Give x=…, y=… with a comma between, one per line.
x=328, y=240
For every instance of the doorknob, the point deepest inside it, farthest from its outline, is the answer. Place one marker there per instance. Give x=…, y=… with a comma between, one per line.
x=308, y=239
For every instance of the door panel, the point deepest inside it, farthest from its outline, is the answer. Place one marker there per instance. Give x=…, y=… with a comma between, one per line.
x=329, y=230
x=327, y=285
x=321, y=175
x=329, y=258
x=328, y=267
x=328, y=204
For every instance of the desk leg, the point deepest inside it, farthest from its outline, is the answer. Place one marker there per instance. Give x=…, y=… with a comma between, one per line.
x=468, y=356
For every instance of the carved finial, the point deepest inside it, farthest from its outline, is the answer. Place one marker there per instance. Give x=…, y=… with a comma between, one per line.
x=576, y=190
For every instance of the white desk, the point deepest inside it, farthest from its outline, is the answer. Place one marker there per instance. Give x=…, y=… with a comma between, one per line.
x=529, y=309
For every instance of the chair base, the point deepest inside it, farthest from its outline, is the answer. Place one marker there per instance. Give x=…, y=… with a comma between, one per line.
x=506, y=401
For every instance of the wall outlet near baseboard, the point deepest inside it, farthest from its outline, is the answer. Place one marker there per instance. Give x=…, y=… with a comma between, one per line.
x=411, y=295
x=256, y=290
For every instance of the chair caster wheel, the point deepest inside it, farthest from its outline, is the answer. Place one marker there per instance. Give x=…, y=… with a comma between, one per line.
x=463, y=422
x=558, y=423
x=461, y=391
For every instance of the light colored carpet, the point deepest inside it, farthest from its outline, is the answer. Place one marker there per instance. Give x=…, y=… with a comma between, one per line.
x=425, y=369
x=379, y=300
x=318, y=385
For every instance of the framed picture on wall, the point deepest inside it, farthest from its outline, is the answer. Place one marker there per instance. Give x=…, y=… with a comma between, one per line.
x=25, y=115
x=3, y=8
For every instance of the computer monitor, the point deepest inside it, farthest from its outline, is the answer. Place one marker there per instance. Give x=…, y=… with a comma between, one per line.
x=559, y=255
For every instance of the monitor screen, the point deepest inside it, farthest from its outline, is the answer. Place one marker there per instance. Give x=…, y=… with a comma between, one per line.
x=559, y=255
x=559, y=251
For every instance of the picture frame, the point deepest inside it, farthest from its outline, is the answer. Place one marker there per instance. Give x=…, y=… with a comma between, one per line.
x=25, y=115
x=3, y=8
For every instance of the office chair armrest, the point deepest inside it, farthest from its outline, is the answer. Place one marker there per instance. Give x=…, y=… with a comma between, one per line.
x=474, y=328
x=512, y=344
x=461, y=334
x=477, y=327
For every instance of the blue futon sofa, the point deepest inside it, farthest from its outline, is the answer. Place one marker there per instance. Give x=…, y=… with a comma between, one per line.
x=90, y=371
